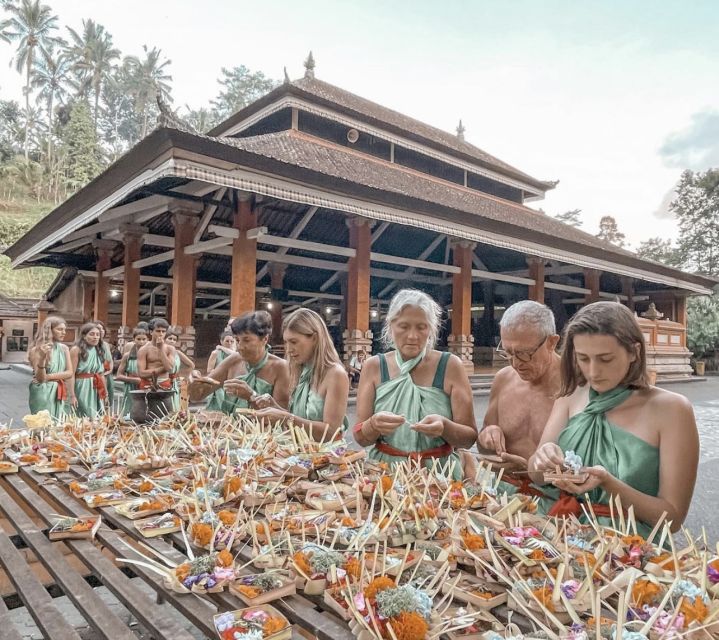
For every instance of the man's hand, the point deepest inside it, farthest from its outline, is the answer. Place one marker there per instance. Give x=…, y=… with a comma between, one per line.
x=386, y=422
x=492, y=438
x=159, y=341
x=432, y=426
x=272, y=415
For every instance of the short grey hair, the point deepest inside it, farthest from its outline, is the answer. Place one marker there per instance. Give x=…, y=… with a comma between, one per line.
x=412, y=298
x=529, y=313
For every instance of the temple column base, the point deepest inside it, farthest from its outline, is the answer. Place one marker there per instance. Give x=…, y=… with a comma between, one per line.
x=186, y=343
x=463, y=347
x=355, y=342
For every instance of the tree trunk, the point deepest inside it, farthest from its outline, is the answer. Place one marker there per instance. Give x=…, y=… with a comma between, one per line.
x=27, y=103
x=49, y=131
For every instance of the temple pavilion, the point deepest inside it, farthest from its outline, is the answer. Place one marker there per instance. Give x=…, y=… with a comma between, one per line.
x=313, y=196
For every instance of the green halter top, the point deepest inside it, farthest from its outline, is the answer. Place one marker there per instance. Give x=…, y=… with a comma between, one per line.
x=257, y=384
x=627, y=457
x=45, y=395
x=305, y=402
x=400, y=395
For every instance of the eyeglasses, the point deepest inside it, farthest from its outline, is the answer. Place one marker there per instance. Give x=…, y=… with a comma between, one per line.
x=522, y=356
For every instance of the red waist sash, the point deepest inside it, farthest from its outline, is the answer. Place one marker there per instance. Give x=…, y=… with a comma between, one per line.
x=61, y=391
x=167, y=384
x=436, y=452
x=568, y=504
x=98, y=382
x=523, y=486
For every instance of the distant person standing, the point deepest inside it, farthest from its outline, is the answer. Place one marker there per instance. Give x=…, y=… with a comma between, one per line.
x=127, y=371
x=88, y=358
x=51, y=368
x=172, y=337
x=108, y=365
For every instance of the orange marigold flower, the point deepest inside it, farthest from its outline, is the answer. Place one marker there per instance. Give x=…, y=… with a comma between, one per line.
x=302, y=563
x=695, y=611
x=225, y=559
x=644, y=592
x=348, y=522
x=232, y=486
x=544, y=595
x=201, y=533
x=145, y=486
x=473, y=542
x=75, y=487
x=409, y=625
x=537, y=554
x=662, y=559
x=353, y=568
x=633, y=541
x=386, y=483
x=226, y=517
x=378, y=584
x=273, y=626
x=247, y=590
x=182, y=571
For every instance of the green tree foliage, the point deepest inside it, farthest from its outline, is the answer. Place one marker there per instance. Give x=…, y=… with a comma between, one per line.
x=703, y=325
x=571, y=218
x=30, y=25
x=659, y=250
x=696, y=207
x=80, y=144
x=240, y=87
x=609, y=231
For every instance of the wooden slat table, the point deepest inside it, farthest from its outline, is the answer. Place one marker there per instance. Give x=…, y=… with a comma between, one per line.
x=167, y=617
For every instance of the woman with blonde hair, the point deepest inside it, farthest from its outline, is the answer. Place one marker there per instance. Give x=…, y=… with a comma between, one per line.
x=88, y=361
x=51, y=368
x=319, y=385
x=635, y=441
x=415, y=402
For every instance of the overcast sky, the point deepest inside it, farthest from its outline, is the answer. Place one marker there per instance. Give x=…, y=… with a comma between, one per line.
x=611, y=98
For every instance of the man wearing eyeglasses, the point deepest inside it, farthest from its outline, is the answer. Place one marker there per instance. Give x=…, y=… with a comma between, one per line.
x=522, y=395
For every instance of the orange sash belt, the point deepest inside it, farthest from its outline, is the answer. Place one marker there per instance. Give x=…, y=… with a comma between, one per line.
x=98, y=382
x=61, y=391
x=167, y=385
x=568, y=504
x=436, y=452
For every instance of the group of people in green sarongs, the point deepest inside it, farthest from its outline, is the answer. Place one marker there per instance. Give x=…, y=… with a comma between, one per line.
x=79, y=380
x=636, y=441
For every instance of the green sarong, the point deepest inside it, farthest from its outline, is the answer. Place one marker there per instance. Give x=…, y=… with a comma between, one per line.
x=48, y=395
x=88, y=390
x=307, y=403
x=176, y=383
x=130, y=370
x=400, y=395
x=598, y=442
x=257, y=384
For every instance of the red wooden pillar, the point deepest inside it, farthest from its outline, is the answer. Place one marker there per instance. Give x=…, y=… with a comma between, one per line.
x=102, y=283
x=277, y=280
x=132, y=237
x=357, y=336
x=461, y=341
x=681, y=315
x=591, y=282
x=184, y=276
x=244, y=260
x=536, y=273
x=44, y=308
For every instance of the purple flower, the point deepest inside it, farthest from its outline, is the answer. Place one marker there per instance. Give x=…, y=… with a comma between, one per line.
x=712, y=574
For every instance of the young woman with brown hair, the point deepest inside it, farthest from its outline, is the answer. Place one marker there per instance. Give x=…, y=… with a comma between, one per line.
x=636, y=441
x=51, y=369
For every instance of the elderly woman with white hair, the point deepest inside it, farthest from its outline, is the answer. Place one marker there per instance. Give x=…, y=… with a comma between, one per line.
x=415, y=402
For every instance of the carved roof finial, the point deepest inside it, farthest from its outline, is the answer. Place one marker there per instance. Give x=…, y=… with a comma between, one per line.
x=460, y=131
x=287, y=77
x=310, y=67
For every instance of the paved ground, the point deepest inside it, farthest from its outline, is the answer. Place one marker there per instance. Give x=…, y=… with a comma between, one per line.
x=704, y=513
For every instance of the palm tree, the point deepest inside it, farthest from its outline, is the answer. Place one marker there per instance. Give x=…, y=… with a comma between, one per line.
x=30, y=25
x=148, y=78
x=92, y=55
x=51, y=74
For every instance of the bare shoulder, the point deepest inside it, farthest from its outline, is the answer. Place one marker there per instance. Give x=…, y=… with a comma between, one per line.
x=371, y=365
x=74, y=349
x=337, y=372
x=667, y=405
x=503, y=377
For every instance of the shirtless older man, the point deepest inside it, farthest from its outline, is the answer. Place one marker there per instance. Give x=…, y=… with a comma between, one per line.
x=156, y=359
x=522, y=395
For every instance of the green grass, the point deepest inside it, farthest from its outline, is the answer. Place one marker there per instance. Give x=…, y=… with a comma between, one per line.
x=15, y=218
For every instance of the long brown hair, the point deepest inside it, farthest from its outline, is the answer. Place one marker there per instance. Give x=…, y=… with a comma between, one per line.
x=83, y=346
x=44, y=335
x=309, y=323
x=609, y=319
